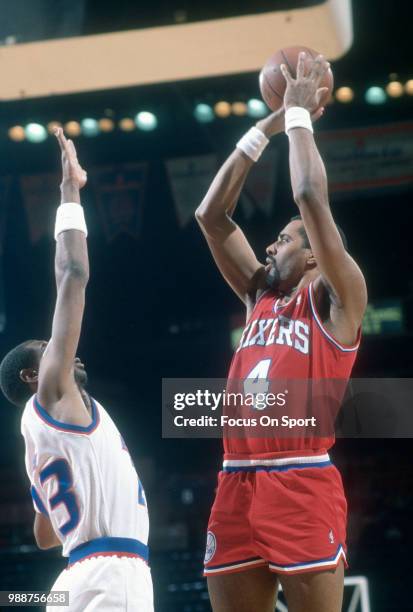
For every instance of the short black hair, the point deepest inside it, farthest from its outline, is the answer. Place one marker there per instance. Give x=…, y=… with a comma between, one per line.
x=306, y=242
x=22, y=356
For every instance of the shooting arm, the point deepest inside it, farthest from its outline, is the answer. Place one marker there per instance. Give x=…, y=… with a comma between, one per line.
x=227, y=242
x=337, y=268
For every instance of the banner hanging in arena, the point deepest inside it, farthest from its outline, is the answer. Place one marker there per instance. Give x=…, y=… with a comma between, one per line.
x=190, y=178
x=368, y=159
x=41, y=196
x=120, y=193
x=259, y=189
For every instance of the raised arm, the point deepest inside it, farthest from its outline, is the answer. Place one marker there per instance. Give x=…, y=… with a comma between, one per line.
x=341, y=277
x=56, y=373
x=227, y=242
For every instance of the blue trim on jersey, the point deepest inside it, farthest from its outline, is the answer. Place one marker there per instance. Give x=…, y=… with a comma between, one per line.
x=232, y=563
x=107, y=545
x=68, y=426
x=275, y=468
x=326, y=334
x=305, y=563
x=36, y=498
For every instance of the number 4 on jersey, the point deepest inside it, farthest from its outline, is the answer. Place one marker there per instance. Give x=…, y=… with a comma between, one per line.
x=257, y=382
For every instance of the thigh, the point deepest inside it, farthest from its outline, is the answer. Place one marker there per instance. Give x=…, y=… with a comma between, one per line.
x=139, y=587
x=253, y=590
x=229, y=540
x=315, y=591
x=62, y=583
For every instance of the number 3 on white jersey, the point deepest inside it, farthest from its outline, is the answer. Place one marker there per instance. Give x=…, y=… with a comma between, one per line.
x=257, y=382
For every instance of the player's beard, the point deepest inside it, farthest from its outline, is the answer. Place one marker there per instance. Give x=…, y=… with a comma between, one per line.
x=80, y=377
x=273, y=277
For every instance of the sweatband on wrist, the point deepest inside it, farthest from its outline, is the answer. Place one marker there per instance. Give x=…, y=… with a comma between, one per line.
x=253, y=143
x=295, y=117
x=69, y=216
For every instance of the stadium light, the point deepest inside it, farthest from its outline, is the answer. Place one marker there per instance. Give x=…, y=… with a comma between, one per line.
x=408, y=86
x=395, y=89
x=239, y=109
x=146, y=121
x=52, y=126
x=127, y=124
x=375, y=95
x=345, y=94
x=89, y=127
x=17, y=133
x=222, y=109
x=35, y=132
x=106, y=124
x=257, y=108
x=204, y=113
x=72, y=129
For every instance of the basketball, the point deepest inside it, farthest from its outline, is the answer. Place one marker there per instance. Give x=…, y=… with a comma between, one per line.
x=272, y=81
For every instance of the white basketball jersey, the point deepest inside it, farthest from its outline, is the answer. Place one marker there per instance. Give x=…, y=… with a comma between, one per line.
x=83, y=477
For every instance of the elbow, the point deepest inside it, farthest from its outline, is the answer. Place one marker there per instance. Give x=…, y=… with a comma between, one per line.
x=309, y=193
x=210, y=220
x=41, y=542
x=42, y=545
x=76, y=271
x=199, y=215
x=203, y=217
x=46, y=545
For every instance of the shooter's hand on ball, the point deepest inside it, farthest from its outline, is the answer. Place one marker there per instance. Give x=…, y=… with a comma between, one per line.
x=305, y=90
x=275, y=124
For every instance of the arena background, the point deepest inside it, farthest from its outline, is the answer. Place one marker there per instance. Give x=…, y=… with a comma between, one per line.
x=156, y=305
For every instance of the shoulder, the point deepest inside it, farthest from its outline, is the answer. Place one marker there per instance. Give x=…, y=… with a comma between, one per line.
x=27, y=414
x=254, y=299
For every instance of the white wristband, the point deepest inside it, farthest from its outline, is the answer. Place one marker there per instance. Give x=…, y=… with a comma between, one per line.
x=295, y=117
x=253, y=143
x=69, y=216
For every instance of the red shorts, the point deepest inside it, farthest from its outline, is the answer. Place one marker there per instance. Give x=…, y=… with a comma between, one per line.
x=287, y=513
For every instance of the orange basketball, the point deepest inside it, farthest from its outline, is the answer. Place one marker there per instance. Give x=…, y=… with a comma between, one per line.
x=272, y=81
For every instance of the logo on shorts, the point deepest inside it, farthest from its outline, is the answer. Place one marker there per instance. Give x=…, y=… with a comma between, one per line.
x=211, y=546
x=331, y=536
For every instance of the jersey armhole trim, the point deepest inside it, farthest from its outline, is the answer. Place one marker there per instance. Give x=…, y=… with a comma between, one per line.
x=342, y=347
x=264, y=293
x=68, y=427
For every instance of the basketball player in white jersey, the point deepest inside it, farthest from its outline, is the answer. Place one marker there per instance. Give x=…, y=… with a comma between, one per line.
x=86, y=492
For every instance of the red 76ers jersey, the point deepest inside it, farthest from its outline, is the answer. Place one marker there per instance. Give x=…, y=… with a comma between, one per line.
x=287, y=342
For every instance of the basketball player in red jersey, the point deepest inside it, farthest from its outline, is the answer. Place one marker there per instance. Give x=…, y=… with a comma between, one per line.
x=280, y=510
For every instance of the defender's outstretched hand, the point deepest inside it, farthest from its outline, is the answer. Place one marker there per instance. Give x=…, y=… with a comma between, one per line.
x=72, y=170
x=305, y=90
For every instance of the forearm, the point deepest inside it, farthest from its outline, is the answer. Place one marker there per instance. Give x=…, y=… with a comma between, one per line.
x=72, y=256
x=69, y=192
x=308, y=174
x=71, y=247
x=224, y=192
